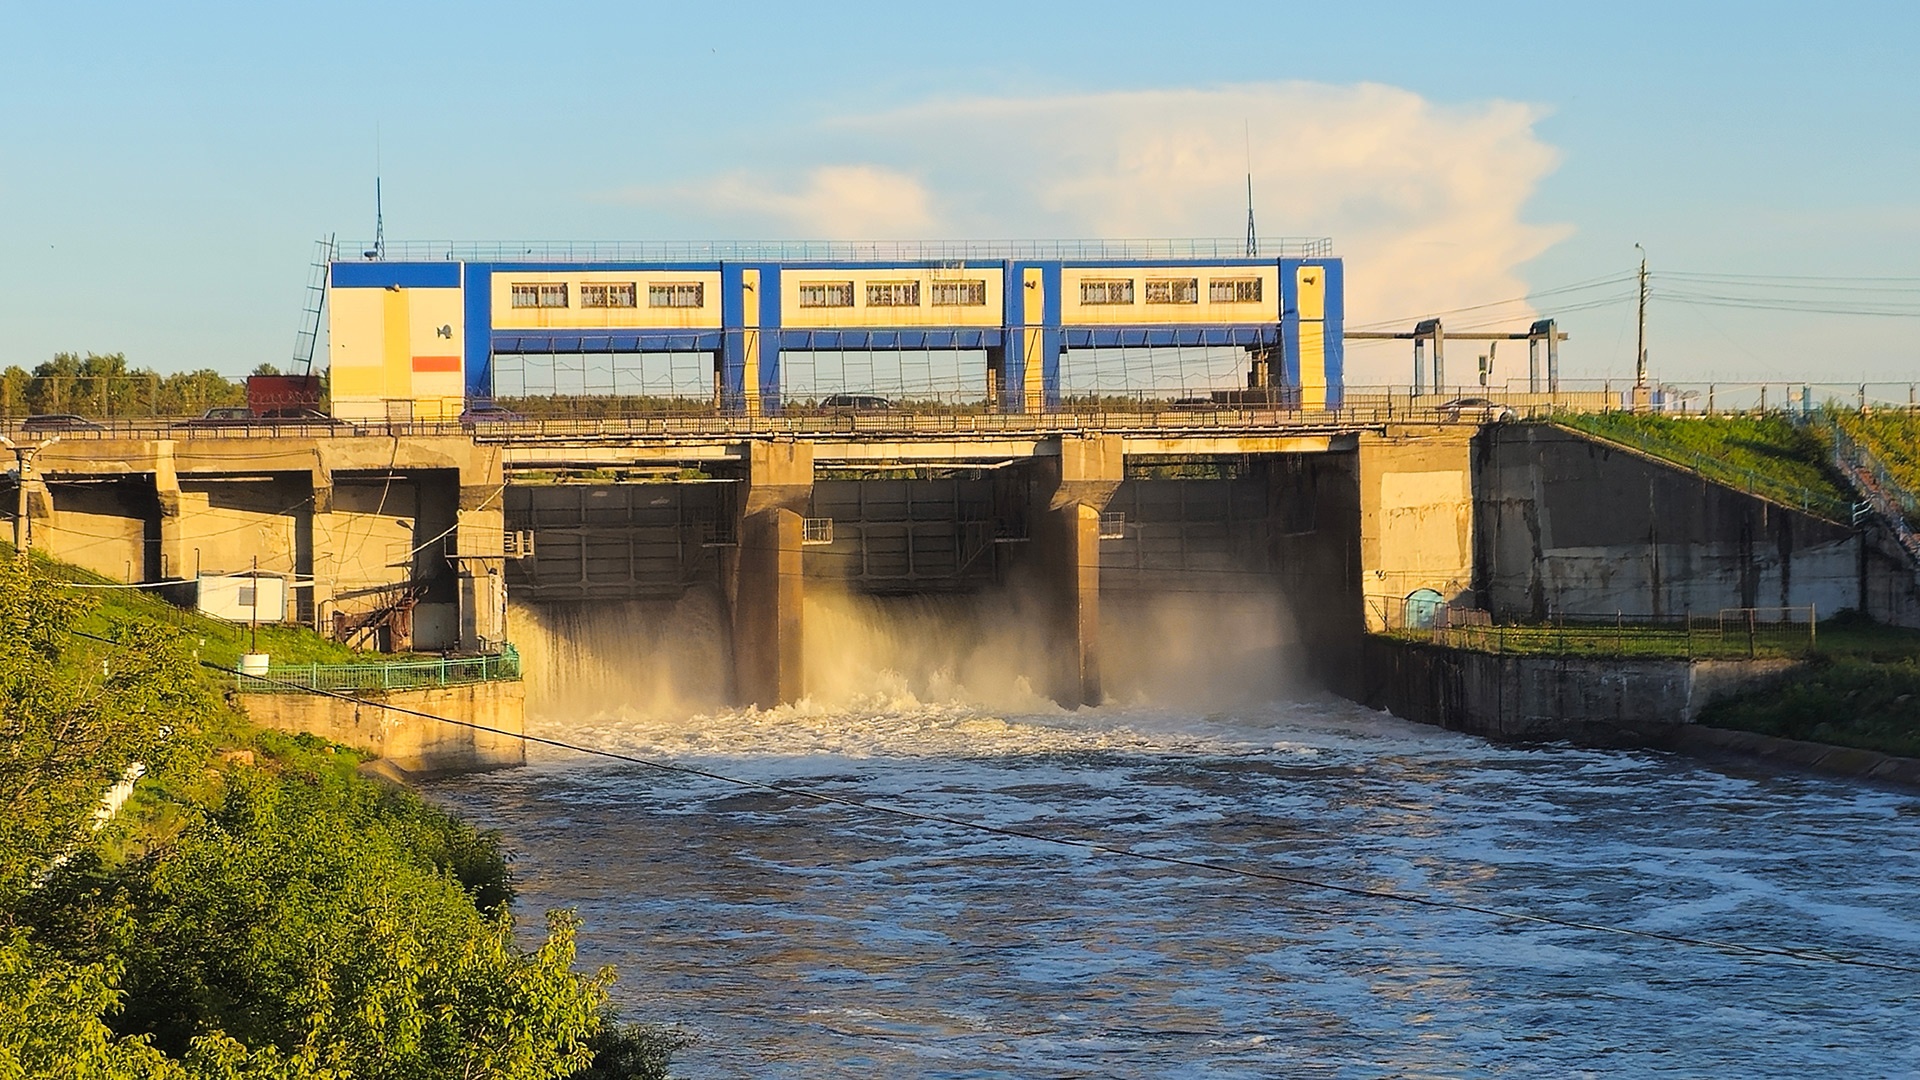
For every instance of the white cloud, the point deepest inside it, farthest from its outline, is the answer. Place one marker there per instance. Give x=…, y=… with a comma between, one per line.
x=1424, y=201
x=840, y=201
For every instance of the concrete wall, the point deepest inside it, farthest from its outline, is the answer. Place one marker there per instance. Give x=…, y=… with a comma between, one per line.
x=413, y=743
x=1567, y=523
x=349, y=518
x=1416, y=514
x=1543, y=697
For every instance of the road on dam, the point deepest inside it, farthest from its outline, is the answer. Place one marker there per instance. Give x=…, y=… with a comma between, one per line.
x=807, y=940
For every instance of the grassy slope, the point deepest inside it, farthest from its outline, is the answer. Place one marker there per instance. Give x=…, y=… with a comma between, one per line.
x=1894, y=438
x=1861, y=689
x=1767, y=455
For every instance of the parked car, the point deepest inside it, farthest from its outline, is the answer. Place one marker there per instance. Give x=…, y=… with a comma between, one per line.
x=486, y=412
x=51, y=423
x=856, y=403
x=1188, y=404
x=1478, y=409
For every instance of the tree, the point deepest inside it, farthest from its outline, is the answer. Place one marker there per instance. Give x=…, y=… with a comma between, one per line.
x=73, y=719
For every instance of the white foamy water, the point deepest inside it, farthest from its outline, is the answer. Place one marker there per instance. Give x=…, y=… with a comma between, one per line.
x=809, y=940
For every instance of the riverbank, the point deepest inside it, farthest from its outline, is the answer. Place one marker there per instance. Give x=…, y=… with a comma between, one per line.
x=1850, y=709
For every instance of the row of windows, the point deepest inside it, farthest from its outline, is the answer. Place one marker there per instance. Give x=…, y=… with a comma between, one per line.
x=1171, y=291
x=832, y=294
x=616, y=294
x=839, y=294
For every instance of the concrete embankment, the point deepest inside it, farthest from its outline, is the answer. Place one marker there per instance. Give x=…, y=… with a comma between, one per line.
x=1606, y=701
x=414, y=745
x=1603, y=702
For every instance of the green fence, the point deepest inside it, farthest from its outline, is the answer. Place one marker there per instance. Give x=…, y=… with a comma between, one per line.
x=394, y=675
x=1727, y=634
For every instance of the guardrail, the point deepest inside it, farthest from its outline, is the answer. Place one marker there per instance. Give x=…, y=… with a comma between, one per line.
x=1225, y=247
x=392, y=675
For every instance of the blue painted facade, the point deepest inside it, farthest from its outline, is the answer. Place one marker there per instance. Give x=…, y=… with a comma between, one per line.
x=746, y=332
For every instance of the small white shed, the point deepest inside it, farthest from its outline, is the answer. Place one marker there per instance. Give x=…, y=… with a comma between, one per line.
x=243, y=597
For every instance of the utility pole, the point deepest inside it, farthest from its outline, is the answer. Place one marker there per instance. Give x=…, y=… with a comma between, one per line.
x=1640, y=353
x=23, y=471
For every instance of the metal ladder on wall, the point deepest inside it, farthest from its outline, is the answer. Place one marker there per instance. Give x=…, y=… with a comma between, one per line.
x=306, y=340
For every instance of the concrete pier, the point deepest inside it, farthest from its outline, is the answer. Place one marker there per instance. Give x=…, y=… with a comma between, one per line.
x=1069, y=493
x=766, y=586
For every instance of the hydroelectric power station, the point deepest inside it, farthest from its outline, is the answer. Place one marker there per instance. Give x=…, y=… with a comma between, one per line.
x=1018, y=469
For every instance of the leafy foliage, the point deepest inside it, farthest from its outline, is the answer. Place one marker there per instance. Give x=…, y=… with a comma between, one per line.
x=102, y=385
x=74, y=718
x=260, y=912
x=1845, y=701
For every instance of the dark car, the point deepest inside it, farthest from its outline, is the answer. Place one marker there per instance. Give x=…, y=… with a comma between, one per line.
x=1482, y=410
x=1187, y=404
x=44, y=423
x=223, y=417
x=856, y=403
x=486, y=412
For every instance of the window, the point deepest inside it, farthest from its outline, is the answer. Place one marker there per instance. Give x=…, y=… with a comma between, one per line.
x=1116, y=291
x=684, y=294
x=893, y=294
x=1234, y=290
x=540, y=295
x=248, y=596
x=960, y=294
x=1173, y=290
x=826, y=294
x=610, y=295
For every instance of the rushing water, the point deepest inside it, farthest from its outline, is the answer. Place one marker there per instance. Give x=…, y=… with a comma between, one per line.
x=806, y=940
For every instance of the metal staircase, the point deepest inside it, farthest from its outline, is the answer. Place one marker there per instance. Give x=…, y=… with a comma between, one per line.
x=1881, y=497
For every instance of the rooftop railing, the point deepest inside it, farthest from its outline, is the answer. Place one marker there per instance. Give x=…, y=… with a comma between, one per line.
x=930, y=251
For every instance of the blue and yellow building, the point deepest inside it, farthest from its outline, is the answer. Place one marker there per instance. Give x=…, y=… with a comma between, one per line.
x=414, y=330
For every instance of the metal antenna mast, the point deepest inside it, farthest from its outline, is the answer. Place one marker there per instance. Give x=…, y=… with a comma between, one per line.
x=1640, y=354
x=1253, y=238
x=379, y=215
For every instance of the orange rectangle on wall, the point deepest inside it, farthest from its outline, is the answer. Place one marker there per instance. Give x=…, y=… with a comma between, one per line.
x=436, y=363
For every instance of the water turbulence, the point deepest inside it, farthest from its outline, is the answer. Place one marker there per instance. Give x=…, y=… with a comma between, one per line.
x=663, y=658
x=801, y=939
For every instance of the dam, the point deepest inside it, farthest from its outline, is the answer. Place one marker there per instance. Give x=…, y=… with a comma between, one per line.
x=1021, y=434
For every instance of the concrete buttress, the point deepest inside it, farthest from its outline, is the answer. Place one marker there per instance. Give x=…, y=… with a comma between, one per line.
x=767, y=589
x=1069, y=494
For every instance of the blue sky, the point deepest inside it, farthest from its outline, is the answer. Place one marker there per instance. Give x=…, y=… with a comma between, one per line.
x=164, y=172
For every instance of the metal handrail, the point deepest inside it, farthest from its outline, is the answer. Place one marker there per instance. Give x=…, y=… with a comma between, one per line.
x=392, y=675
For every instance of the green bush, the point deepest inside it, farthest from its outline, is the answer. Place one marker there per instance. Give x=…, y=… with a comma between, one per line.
x=261, y=911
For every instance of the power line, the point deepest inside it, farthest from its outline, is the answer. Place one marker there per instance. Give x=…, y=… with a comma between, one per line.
x=1742, y=948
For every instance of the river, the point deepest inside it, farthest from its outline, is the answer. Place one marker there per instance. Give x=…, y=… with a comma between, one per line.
x=802, y=940
x=798, y=939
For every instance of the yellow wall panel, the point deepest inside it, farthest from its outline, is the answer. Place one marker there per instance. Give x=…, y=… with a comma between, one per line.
x=431, y=311
x=1203, y=310
x=860, y=315
x=1313, y=365
x=573, y=316
x=397, y=356
x=356, y=332
x=750, y=346
x=1312, y=283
